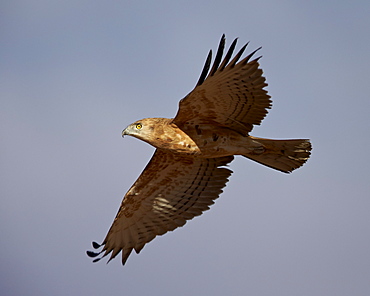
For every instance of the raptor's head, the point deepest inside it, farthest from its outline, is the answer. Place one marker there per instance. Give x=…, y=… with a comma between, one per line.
x=139, y=129
x=146, y=129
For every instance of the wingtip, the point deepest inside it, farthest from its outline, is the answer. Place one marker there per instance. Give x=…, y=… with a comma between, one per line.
x=248, y=57
x=206, y=66
x=96, y=245
x=92, y=254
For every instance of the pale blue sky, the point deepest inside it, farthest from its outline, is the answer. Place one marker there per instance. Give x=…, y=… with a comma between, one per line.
x=73, y=74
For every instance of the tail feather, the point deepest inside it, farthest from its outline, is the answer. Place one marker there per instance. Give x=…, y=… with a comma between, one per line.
x=282, y=155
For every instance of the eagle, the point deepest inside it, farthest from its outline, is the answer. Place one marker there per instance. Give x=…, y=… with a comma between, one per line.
x=188, y=169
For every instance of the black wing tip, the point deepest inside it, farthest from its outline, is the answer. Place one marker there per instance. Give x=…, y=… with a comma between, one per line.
x=93, y=254
x=207, y=64
x=248, y=57
x=257, y=58
x=204, y=73
x=220, y=66
x=96, y=245
x=219, y=54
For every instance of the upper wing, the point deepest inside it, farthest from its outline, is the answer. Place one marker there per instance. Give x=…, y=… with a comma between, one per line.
x=232, y=94
x=171, y=189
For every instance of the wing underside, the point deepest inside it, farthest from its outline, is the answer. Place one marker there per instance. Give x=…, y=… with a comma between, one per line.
x=171, y=190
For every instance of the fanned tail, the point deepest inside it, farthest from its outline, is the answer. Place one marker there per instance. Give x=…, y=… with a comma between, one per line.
x=282, y=155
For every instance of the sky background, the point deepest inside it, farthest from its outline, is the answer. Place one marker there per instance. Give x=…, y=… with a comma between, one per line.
x=74, y=74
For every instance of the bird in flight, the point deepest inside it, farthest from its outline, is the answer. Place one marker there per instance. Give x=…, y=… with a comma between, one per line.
x=188, y=169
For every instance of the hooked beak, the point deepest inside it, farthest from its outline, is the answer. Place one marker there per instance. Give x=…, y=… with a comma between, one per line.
x=124, y=132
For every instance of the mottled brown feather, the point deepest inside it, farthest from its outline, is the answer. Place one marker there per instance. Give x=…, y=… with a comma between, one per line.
x=171, y=190
x=233, y=96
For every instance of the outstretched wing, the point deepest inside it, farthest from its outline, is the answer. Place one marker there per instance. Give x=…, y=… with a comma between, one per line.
x=232, y=94
x=171, y=190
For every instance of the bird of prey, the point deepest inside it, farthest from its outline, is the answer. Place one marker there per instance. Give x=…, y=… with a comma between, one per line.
x=187, y=171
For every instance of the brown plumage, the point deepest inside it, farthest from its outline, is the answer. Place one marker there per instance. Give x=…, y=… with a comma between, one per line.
x=187, y=171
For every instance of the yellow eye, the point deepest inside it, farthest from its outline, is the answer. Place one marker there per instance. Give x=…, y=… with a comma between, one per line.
x=138, y=126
